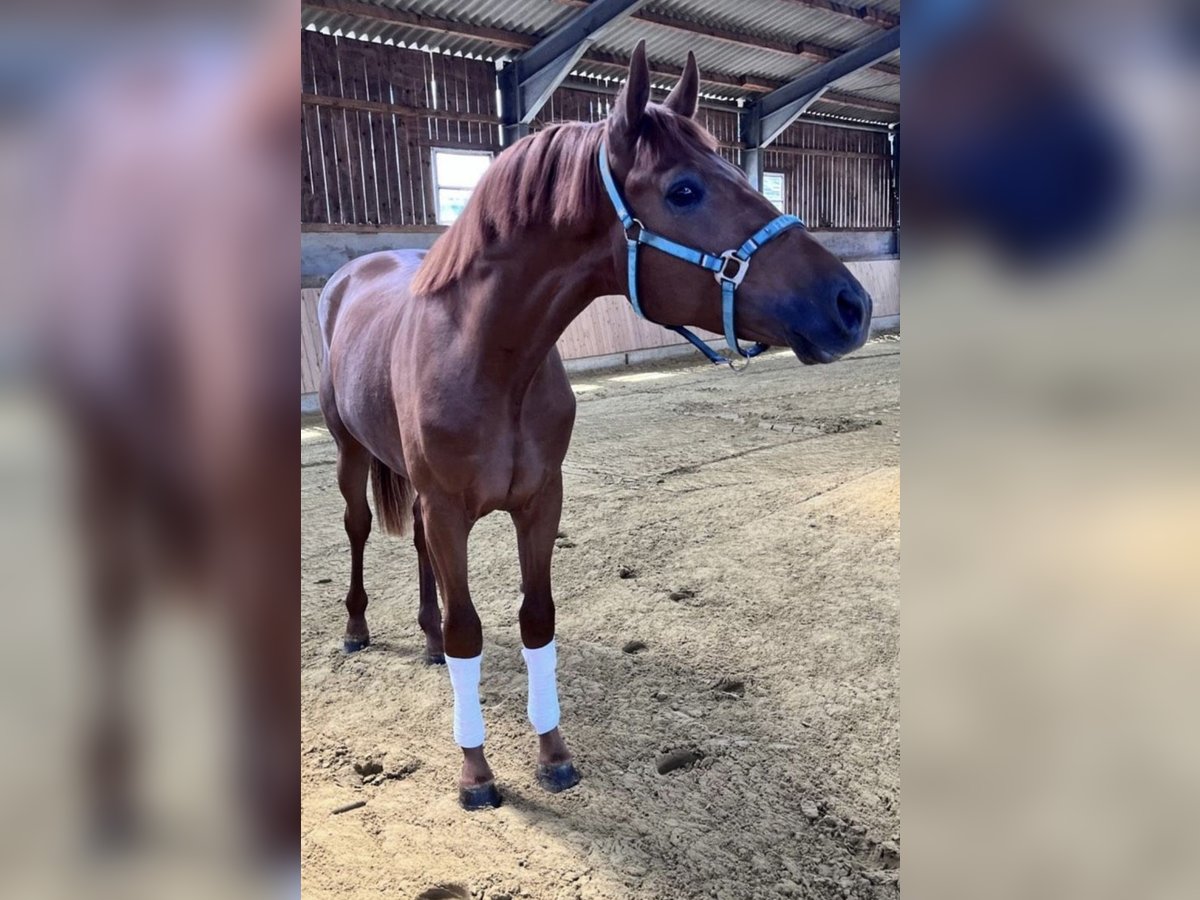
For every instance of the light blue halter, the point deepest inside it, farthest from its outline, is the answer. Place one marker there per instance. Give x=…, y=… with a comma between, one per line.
x=729, y=268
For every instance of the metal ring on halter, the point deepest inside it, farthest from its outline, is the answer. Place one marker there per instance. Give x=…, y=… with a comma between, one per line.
x=737, y=364
x=640, y=227
x=739, y=273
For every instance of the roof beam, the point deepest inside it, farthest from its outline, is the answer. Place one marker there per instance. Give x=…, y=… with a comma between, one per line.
x=666, y=70
x=845, y=99
x=768, y=116
x=854, y=11
x=515, y=40
x=529, y=80
x=580, y=29
x=773, y=112
x=741, y=38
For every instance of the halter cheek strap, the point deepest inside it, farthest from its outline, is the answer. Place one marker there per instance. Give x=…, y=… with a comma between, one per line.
x=729, y=268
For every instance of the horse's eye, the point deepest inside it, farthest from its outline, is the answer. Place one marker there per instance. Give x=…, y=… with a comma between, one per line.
x=684, y=194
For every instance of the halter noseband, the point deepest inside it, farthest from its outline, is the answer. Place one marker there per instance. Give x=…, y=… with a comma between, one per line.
x=729, y=268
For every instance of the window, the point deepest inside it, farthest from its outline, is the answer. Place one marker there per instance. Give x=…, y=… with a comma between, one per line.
x=455, y=174
x=773, y=188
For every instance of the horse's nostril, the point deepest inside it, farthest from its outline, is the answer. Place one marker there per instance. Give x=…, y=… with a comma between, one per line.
x=851, y=309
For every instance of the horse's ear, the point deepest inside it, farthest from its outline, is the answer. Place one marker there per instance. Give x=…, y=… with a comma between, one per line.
x=684, y=96
x=631, y=103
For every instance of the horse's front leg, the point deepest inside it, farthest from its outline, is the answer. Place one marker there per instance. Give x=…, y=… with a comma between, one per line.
x=447, y=527
x=537, y=527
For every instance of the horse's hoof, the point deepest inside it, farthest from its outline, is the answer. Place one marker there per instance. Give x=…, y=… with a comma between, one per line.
x=435, y=659
x=481, y=796
x=558, y=778
x=353, y=645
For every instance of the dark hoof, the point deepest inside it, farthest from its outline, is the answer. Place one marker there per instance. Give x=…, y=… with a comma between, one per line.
x=556, y=779
x=353, y=645
x=435, y=659
x=482, y=796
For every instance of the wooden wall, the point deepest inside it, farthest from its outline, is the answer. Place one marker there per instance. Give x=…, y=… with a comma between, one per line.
x=836, y=178
x=311, y=344
x=371, y=116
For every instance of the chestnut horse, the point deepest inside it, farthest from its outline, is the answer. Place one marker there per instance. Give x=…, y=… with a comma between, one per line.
x=443, y=383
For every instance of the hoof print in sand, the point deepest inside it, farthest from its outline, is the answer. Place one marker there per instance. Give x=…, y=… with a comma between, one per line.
x=368, y=768
x=445, y=892
x=677, y=759
x=730, y=687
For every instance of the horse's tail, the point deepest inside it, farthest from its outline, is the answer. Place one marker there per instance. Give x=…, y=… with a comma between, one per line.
x=393, y=498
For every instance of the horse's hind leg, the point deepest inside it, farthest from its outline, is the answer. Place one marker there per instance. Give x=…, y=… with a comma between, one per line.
x=429, y=617
x=537, y=526
x=353, y=468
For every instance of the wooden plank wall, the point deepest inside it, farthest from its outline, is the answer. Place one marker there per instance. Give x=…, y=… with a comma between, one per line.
x=837, y=178
x=609, y=326
x=371, y=115
x=311, y=349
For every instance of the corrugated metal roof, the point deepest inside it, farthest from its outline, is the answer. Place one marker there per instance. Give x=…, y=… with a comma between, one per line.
x=713, y=55
x=527, y=16
x=779, y=22
x=771, y=19
x=870, y=83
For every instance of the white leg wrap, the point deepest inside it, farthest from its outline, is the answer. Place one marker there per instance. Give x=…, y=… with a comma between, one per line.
x=543, y=687
x=468, y=714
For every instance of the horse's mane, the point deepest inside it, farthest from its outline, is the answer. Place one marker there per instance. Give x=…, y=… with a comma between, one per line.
x=549, y=178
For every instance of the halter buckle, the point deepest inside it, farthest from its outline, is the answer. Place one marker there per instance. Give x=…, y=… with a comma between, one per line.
x=640, y=228
x=722, y=275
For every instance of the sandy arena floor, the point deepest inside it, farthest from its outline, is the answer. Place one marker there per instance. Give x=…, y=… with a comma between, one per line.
x=745, y=530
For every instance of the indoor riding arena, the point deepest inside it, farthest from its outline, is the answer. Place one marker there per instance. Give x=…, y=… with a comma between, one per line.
x=726, y=571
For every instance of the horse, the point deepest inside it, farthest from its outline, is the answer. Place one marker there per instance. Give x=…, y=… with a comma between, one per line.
x=166, y=311
x=442, y=385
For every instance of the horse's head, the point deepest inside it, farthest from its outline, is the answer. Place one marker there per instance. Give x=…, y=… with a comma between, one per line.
x=795, y=292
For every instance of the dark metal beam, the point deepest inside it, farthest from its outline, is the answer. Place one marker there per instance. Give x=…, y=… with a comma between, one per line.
x=766, y=118
x=581, y=28
x=752, y=146
x=743, y=39
x=781, y=107
x=527, y=82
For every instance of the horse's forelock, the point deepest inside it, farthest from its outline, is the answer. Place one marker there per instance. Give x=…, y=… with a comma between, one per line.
x=667, y=138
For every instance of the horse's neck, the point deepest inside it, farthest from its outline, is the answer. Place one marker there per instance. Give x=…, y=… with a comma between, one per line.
x=524, y=300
